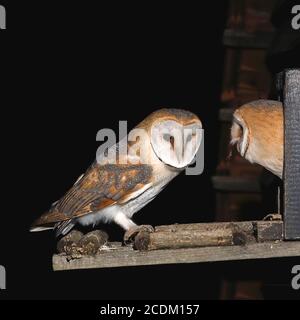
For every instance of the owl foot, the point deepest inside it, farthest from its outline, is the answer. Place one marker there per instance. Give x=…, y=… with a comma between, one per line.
x=132, y=232
x=76, y=244
x=68, y=243
x=91, y=242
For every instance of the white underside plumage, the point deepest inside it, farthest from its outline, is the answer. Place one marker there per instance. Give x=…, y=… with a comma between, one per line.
x=122, y=214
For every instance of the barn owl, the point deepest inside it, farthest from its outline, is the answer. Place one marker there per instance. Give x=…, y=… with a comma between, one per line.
x=257, y=131
x=114, y=192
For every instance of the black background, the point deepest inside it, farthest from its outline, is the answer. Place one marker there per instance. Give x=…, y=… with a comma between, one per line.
x=68, y=71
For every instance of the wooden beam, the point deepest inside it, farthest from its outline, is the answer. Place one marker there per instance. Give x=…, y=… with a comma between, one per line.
x=208, y=234
x=118, y=256
x=291, y=103
x=268, y=231
x=184, y=239
x=186, y=243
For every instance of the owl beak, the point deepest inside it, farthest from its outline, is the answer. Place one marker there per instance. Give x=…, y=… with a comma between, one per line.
x=179, y=147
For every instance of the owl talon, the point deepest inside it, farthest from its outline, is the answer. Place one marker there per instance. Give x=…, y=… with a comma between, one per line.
x=67, y=243
x=76, y=244
x=132, y=232
x=91, y=242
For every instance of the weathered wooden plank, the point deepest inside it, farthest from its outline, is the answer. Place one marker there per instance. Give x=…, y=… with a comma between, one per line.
x=268, y=230
x=208, y=234
x=291, y=102
x=246, y=225
x=119, y=256
x=186, y=239
x=168, y=238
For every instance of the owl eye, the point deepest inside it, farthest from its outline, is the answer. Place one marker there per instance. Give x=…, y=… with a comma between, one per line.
x=169, y=138
x=190, y=137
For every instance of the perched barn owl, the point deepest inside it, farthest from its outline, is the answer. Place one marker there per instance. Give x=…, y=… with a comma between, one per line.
x=257, y=131
x=114, y=192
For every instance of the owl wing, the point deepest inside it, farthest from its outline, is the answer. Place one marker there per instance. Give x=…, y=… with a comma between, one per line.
x=101, y=186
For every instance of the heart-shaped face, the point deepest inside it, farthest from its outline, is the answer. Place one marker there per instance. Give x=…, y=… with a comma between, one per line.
x=257, y=132
x=174, y=143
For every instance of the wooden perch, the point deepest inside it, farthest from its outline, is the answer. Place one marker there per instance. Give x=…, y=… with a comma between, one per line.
x=120, y=256
x=208, y=234
x=190, y=243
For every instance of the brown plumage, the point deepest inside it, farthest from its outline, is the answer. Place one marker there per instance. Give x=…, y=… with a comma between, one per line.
x=257, y=131
x=114, y=192
x=101, y=186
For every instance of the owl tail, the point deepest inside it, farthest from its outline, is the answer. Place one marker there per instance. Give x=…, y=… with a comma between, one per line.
x=63, y=227
x=60, y=228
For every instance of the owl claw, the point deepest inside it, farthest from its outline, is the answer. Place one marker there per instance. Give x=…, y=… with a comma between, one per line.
x=76, y=244
x=132, y=232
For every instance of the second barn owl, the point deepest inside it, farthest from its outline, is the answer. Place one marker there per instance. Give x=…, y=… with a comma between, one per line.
x=114, y=192
x=257, y=132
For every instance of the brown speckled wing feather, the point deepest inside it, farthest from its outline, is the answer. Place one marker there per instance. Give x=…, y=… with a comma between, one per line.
x=101, y=186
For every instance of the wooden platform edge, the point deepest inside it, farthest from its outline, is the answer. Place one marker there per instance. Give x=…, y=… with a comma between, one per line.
x=118, y=256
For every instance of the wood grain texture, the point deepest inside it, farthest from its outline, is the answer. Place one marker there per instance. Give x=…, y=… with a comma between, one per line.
x=119, y=256
x=208, y=234
x=189, y=243
x=291, y=102
x=269, y=230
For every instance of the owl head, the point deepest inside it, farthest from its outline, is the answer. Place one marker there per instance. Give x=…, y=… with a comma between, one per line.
x=175, y=136
x=257, y=132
